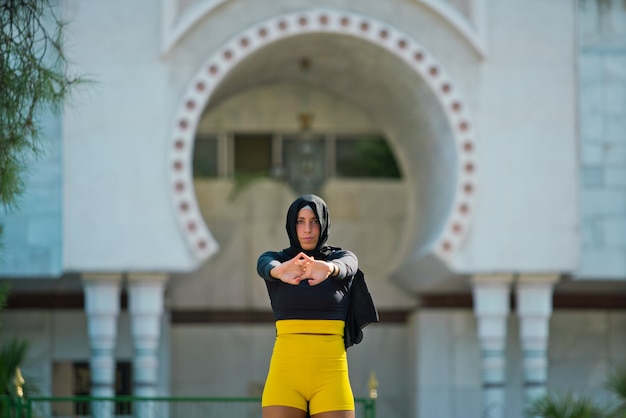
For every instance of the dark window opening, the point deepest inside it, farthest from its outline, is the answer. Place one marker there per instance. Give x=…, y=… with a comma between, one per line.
x=253, y=154
x=307, y=160
x=365, y=157
x=82, y=387
x=205, y=157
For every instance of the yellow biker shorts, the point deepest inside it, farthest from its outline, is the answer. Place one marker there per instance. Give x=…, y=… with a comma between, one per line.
x=309, y=365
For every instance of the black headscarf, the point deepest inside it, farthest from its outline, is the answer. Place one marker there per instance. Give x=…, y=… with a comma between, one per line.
x=321, y=211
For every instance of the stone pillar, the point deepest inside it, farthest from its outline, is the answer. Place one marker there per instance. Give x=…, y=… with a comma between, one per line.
x=491, y=295
x=534, y=307
x=145, y=305
x=102, y=306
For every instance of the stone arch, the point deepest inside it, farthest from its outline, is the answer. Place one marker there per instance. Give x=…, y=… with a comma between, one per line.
x=216, y=67
x=178, y=23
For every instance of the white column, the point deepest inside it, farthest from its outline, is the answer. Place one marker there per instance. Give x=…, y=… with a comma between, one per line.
x=534, y=307
x=491, y=306
x=145, y=305
x=102, y=306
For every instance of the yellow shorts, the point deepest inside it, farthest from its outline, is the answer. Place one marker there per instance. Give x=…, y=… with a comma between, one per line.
x=308, y=367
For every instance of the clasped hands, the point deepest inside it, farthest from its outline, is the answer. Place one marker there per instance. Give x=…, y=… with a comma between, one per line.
x=302, y=267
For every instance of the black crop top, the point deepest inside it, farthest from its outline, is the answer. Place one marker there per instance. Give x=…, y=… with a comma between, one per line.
x=327, y=300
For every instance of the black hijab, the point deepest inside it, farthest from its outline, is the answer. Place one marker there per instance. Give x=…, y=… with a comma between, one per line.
x=321, y=211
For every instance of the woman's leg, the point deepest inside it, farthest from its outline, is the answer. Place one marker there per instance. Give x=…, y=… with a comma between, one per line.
x=287, y=412
x=334, y=414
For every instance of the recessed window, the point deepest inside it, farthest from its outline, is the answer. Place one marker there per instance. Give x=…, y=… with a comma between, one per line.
x=253, y=154
x=310, y=159
x=72, y=379
x=365, y=157
x=205, y=157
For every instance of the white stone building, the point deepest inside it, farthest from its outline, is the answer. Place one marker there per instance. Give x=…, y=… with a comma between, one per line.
x=497, y=259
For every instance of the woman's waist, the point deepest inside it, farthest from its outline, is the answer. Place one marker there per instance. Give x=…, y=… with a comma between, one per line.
x=310, y=326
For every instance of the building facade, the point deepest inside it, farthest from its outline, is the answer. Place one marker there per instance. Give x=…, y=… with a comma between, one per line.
x=472, y=154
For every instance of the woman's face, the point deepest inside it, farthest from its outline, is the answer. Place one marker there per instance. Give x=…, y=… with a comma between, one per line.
x=307, y=229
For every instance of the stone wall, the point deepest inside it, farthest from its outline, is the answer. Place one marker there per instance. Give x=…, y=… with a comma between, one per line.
x=602, y=83
x=32, y=238
x=584, y=348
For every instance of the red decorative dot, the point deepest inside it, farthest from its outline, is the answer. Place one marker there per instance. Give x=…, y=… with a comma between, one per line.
x=200, y=86
x=262, y=32
x=446, y=88
x=463, y=208
x=184, y=206
x=401, y=44
x=303, y=21
x=324, y=19
x=178, y=165
x=446, y=246
x=228, y=54
x=282, y=25
x=179, y=144
x=345, y=21
x=457, y=228
x=202, y=244
x=418, y=56
x=191, y=226
x=463, y=126
x=384, y=34
x=213, y=69
x=180, y=186
x=469, y=167
x=434, y=71
x=183, y=124
x=456, y=106
x=468, y=188
x=365, y=26
x=244, y=42
x=468, y=147
x=190, y=104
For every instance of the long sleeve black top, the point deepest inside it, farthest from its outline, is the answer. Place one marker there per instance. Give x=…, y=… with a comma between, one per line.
x=327, y=300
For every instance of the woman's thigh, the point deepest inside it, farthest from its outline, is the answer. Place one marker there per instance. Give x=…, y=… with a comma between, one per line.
x=285, y=412
x=334, y=414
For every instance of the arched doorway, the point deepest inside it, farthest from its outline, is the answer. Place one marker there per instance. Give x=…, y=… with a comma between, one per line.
x=373, y=66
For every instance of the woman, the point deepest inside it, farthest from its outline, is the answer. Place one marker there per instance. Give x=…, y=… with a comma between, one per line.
x=309, y=285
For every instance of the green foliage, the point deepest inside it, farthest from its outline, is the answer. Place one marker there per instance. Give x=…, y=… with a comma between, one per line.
x=33, y=79
x=12, y=355
x=567, y=406
x=571, y=406
x=4, y=293
x=372, y=157
x=13, y=352
x=617, y=385
x=377, y=158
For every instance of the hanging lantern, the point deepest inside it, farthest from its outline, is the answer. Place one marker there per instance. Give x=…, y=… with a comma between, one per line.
x=304, y=153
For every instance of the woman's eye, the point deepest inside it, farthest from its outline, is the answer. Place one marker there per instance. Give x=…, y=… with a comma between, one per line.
x=315, y=221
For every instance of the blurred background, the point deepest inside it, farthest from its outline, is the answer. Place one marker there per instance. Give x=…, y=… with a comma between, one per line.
x=472, y=154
